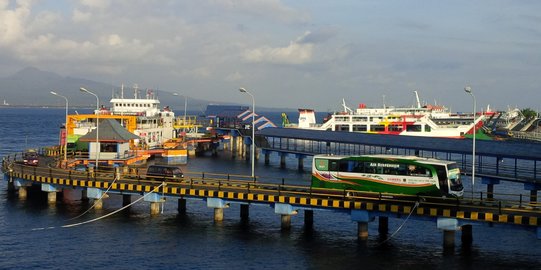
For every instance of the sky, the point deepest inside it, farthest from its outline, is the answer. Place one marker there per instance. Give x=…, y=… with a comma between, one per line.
x=288, y=54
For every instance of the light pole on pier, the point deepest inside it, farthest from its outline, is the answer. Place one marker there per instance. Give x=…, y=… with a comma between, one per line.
x=97, y=124
x=252, y=152
x=185, y=106
x=469, y=91
x=65, y=127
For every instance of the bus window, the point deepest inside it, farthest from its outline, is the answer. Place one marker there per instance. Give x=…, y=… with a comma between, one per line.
x=322, y=164
x=333, y=165
x=415, y=170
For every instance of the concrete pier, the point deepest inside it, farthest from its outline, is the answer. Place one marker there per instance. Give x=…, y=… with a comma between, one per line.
x=283, y=160
x=154, y=208
x=126, y=199
x=467, y=235
x=218, y=214
x=286, y=222
x=300, y=164
x=448, y=238
x=362, y=230
x=244, y=211
x=383, y=225
x=308, y=219
x=51, y=197
x=267, y=158
x=84, y=195
x=181, y=206
x=23, y=193
x=490, y=182
x=98, y=204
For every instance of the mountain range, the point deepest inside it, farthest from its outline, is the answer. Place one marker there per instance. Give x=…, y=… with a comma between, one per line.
x=31, y=87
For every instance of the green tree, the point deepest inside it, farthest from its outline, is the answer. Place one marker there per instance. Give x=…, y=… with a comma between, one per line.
x=529, y=113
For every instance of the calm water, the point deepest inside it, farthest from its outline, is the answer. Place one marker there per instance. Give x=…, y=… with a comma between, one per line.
x=134, y=240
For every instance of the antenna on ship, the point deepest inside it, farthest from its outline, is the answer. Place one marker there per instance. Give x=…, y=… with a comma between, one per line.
x=417, y=98
x=122, y=91
x=135, y=86
x=346, y=108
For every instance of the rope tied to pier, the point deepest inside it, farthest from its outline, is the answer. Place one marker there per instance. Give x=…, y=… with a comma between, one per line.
x=107, y=215
x=401, y=225
x=95, y=202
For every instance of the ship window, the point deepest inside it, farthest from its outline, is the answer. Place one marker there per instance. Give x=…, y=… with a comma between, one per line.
x=415, y=128
x=341, y=118
x=359, y=119
x=395, y=127
x=377, y=128
x=341, y=127
x=357, y=128
x=427, y=129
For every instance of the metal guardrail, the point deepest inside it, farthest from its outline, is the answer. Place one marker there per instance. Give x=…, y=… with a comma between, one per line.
x=499, y=203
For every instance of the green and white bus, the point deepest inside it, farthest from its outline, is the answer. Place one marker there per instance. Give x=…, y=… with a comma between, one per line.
x=409, y=175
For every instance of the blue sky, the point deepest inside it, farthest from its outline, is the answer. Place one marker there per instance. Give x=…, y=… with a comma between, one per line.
x=295, y=54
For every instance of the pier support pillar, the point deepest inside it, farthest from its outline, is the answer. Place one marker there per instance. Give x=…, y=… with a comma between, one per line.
x=362, y=230
x=490, y=182
x=362, y=217
x=308, y=219
x=285, y=222
x=182, y=206
x=449, y=226
x=51, y=192
x=448, y=238
x=23, y=193
x=533, y=188
x=218, y=205
x=383, y=225
x=467, y=235
x=232, y=146
x=267, y=158
x=286, y=211
x=218, y=214
x=244, y=211
x=98, y=204
x=51, y=197
x=533, y=196
x=283, y=160
x=155, y=199
x=126, y=199
x=11, y=186
x=256, y=154
x=84, y=196
x=154, y=208
x=300, y=165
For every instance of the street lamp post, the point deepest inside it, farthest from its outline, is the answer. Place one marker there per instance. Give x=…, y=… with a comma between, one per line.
x=185, y=106
x=65, y=127
x=242, y=90
x=97, y=124
x=469, y=91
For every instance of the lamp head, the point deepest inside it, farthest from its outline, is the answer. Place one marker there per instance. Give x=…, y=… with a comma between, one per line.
x=175, y=94
x=468, y=89
x=242, y=90
x=54, y=93
x=82, y=89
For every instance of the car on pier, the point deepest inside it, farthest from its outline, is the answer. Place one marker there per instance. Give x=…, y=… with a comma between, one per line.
x=164, y=172
x=30, y=157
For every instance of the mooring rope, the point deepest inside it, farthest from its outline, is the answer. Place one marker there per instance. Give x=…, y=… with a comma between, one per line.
x=96, y=201
x=401, y=225
x=104, y=216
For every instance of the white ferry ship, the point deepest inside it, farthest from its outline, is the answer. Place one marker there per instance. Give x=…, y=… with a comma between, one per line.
x=429, y=121
x=152, y=124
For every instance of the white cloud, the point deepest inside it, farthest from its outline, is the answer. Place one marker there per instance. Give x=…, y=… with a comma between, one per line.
x=12, y=22
x=80, y=16
x=262, y=9
x=234, y=77
x=97, y=4
x=297, y=52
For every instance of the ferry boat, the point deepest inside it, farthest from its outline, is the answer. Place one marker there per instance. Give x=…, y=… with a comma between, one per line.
x=142, y=116
x=428, y=120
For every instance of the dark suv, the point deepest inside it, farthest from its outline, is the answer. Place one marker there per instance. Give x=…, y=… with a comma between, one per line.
x=30, y=157
x=155, y=172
